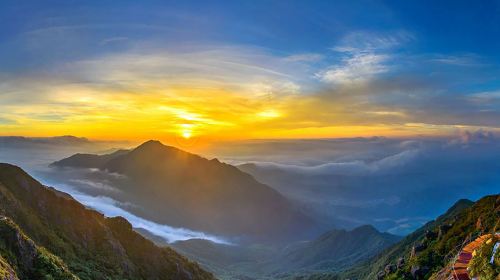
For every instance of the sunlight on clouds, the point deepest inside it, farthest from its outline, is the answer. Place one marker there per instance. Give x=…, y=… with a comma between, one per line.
x=269, y=114
x=222, y=93
x=202, y=93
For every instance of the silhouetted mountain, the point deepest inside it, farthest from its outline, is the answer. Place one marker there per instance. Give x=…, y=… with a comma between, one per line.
x=88, y=160
x=428, y=252
x=49, y=235
x=181, y=189
x=333, y=251
x=20, y=141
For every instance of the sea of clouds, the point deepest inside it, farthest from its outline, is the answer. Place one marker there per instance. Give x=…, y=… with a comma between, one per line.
x=394, y=184
x=90, y=187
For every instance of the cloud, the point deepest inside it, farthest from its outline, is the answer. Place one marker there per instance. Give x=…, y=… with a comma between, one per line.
x=112, y=208
x=101, y=186
x=480, y=136
x=366, y=86
x=351, y=168
x=364, y=41
x=364, y=56
x=356, y=68
x=113, y=40
x=150, y=86
x=6, y=121
x=305, y=57
x=485, y=96
x=371, y=179
x=458, y=60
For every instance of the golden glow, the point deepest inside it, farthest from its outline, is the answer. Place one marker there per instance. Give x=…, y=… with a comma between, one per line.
x=268, y=114
x=186, y=130
x=195, y=115
x=196, y=97
x=186, y=134
x=201, y=114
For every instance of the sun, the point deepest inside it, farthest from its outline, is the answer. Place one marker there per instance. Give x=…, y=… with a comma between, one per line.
x=186, y=134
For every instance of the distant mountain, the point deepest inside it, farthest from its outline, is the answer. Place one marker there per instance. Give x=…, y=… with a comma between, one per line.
x=45, y=234
x=337, y=249
x=333, y=251
x=181, y=189
x=21, y=141
x=428, y=252
x=88, y=160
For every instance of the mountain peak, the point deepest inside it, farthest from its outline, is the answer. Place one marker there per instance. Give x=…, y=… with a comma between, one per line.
x=366, y=229
x=233, y=202
x=154, y=147
x=150, y=143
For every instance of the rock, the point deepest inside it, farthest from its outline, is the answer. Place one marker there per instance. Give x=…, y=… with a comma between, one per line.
x=416, y=249
x=418, y=272
x=380, y=275
x=390, y=268
x=430, y=235
x=479, y=224
x=400, y=263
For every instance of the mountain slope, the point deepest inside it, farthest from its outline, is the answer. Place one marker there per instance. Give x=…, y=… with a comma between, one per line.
x=338, y=249
x=88, y=160
x=30, y=260
x=333, y=251
x=185, y=190
x=92, y=246
x=424, y=253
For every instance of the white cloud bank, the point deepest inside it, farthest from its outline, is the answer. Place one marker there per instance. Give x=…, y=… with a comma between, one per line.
x=111, y=208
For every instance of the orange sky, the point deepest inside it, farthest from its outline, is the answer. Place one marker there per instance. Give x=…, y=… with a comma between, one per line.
x=228, y=93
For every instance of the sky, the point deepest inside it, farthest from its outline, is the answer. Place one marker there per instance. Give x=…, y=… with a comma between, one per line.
x=198, y=71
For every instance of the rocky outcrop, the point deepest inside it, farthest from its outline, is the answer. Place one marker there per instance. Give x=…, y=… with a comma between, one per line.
x=418, y=272
x=417, y=248
x=400, y=263
x=390, y=268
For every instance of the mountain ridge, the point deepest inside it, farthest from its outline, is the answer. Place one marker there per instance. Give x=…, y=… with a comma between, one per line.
x=201, y=194
x=426, y=253
x=332, y=251
x=92, y=246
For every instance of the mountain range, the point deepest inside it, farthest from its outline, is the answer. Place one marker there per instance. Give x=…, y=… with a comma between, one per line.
x=430, y=251
x=174, y=187
x=46, y=234
x=335, y=250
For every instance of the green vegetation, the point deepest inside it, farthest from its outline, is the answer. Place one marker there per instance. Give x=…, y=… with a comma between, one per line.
x=78, y=242
x=6, y=271
x=31, y=261
x=426, y=253
x=331, y=252
x=480, y=265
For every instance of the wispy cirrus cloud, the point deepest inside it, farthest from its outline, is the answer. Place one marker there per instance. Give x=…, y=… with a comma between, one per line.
x=355, y=68
x=364, y=55
x=305, y=57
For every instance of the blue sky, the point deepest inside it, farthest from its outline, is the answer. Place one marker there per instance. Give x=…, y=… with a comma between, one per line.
x=282, y=26
x=435, y=63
